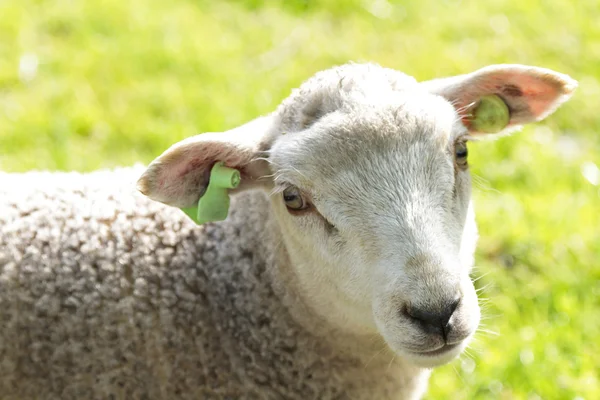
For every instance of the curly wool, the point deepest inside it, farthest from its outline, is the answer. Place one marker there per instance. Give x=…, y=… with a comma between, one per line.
x=107, y=295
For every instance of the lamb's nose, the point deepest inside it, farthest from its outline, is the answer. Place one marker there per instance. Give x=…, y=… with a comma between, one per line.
x=434, y=320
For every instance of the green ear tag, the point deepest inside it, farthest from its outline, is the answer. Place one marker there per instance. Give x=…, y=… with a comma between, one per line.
x=491, y=115
x=214, y=203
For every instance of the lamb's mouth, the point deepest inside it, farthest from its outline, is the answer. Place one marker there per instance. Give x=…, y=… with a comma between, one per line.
x=437, y=352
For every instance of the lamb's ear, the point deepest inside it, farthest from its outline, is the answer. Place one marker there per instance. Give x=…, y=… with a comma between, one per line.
x=531, y=93
x=181, y=174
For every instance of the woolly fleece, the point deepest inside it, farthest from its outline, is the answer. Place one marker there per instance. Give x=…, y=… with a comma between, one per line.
x=105, y=294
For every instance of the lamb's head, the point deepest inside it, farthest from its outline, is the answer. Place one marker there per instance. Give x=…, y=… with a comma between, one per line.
x=369, y=182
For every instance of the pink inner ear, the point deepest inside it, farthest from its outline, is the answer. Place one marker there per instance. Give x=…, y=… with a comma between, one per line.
x=180, y=170
x=538, y=95
x=180, y=176
x=530, y=94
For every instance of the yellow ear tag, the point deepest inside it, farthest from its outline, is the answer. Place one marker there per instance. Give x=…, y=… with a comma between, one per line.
x=214, y=203
x=491, y=115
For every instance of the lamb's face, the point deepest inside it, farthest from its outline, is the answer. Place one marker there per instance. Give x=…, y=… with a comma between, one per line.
x=376, y=199
x=370, y=186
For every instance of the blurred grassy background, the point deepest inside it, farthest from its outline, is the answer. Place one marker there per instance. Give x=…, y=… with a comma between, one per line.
x=100, y=83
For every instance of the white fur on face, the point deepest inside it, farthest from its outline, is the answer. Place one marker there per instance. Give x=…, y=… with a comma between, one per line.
x=390, y=227
x=387, y=245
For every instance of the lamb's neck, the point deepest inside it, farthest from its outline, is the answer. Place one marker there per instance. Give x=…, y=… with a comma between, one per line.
x=298, y=307
x=333, y=330
x=310, y=303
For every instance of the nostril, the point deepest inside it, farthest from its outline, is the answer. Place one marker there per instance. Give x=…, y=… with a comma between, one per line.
x=454, y=306
x=424, y=315
x=435, y=321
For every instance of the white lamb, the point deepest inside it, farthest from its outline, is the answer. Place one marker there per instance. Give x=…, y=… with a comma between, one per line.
x=344, y=275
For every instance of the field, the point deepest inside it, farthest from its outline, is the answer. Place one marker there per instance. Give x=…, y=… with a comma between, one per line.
x=94, y=84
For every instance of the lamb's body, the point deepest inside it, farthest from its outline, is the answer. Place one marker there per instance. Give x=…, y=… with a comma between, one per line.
x=106, y=294
x=354, y=273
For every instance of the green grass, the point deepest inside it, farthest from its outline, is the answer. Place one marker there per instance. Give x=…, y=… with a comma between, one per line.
x=119, y=81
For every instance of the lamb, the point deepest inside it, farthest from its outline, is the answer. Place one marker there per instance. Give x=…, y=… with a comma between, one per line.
x=342, y=271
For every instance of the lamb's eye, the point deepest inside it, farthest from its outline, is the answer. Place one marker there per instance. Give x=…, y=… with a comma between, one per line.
x=293, y=199
x=461, y=152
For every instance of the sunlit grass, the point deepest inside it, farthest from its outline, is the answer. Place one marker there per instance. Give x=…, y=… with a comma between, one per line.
x=91, y=84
